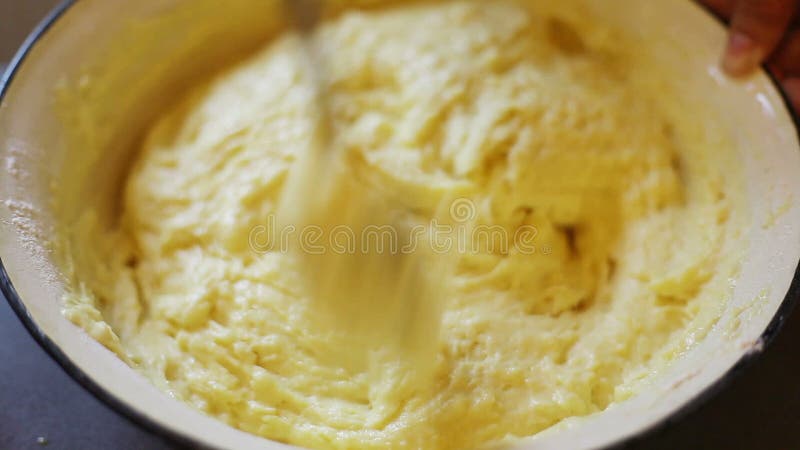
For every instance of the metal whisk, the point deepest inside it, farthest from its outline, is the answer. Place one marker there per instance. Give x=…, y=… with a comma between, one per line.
x=380, y=299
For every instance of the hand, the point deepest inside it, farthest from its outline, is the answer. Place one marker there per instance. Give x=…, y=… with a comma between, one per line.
x=763, y=31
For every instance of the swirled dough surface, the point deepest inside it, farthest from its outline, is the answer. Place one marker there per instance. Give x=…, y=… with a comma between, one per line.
x=551, y=122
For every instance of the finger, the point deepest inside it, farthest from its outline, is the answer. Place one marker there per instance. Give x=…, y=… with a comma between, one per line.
x=757, y=27
x=792, y=88
x=787, y=58
x=722, y=7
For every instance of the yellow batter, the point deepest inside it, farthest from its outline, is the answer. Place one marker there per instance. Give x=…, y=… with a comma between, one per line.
x=538, y=121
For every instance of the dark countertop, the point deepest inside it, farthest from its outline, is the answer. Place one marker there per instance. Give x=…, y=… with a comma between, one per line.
x=760, y=410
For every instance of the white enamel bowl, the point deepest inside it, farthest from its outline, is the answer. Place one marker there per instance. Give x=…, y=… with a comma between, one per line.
x=34, y=152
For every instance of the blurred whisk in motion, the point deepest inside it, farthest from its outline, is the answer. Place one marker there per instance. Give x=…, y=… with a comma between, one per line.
x=384, y=288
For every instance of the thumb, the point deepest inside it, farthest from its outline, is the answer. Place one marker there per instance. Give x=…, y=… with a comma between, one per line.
x=757, y=28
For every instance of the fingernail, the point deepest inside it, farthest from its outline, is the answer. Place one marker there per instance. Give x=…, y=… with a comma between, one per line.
x=743, y=54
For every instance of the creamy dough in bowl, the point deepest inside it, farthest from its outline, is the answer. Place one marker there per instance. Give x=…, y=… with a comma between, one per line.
x=547, y=122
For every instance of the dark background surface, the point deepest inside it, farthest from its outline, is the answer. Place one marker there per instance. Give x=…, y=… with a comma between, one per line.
x=39, y=402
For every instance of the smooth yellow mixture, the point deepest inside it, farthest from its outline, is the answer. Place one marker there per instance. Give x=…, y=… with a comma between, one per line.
x=538, y=121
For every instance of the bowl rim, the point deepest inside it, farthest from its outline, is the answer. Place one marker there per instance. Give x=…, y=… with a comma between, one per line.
x=118, y=406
